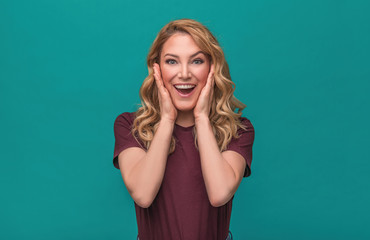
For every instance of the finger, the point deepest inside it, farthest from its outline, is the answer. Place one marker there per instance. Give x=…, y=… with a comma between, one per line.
x=155, y=71
x=158, y=70
x=211, y=76
x=156, y=67
x=162, y=91
x=212, y=82
x=158, y=82
x=157, y=77
x=212, y=70
x=212, y=89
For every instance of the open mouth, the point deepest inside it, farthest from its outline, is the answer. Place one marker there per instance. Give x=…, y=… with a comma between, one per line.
x=184, y=89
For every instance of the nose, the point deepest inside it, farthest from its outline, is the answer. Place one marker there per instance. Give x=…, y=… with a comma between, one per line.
x=184, y=73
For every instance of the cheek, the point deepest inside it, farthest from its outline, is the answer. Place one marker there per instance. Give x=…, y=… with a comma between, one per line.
x=168, y=74
x=201, y=74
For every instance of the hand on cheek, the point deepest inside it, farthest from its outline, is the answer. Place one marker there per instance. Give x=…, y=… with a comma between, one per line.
x=168, y=110
x=203, y=106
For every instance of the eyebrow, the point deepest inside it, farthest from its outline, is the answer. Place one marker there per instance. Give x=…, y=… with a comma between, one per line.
x=173, y=55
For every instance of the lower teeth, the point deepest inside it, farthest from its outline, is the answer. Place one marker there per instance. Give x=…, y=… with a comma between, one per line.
x=185, y=91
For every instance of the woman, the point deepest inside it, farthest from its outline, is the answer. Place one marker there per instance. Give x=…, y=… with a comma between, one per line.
x=183, y=154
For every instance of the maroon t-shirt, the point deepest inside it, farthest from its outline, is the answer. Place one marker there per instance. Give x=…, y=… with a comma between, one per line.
x=181, y=209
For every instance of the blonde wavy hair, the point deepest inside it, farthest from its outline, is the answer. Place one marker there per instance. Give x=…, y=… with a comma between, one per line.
x=225, y=121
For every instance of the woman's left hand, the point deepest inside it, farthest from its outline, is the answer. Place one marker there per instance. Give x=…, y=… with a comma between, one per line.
x=203, y=106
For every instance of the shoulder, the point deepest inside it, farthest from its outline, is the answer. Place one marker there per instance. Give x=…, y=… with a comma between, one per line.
x=245, y=134
x=247, y=124
x=126, y=118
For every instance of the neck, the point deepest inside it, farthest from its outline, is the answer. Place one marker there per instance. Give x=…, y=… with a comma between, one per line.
x=185, y=118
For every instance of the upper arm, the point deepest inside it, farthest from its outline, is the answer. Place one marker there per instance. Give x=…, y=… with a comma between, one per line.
x=238, y=164
x=127, y=160
x=124, y=138
x=243, y=145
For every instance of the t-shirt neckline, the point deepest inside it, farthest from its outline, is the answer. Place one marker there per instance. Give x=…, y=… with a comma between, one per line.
x=184, y=128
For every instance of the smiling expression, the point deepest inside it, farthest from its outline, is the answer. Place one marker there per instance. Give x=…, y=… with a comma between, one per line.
x=184, y=68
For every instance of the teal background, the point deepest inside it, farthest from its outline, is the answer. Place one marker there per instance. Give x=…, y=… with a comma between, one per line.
x=69, y=68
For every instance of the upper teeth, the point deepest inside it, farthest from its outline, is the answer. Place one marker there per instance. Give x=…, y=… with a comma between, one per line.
x=184, y=86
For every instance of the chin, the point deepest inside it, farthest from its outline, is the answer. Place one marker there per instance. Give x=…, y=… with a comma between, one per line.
x=184, y=107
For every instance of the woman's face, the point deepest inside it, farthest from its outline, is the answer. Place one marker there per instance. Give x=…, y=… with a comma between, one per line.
x=184, y=69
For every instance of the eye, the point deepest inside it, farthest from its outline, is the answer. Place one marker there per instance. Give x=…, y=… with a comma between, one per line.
x=170, y=61
x=198, y=61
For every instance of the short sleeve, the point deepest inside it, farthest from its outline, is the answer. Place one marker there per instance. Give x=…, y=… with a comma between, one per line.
x=243, y=145
x=123, y=136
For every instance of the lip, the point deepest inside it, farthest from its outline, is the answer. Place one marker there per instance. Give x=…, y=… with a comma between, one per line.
x=182, y=94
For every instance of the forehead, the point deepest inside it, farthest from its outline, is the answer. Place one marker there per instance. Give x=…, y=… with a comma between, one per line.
x=180, y=44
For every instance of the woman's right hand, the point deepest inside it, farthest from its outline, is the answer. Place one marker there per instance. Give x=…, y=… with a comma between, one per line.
x=168, y=110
